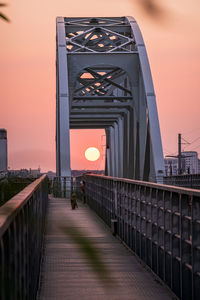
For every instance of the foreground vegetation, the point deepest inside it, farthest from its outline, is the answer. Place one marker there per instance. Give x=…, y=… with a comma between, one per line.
x=9, y=187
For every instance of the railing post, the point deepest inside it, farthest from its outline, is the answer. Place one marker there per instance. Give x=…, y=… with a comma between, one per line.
x=114, y=212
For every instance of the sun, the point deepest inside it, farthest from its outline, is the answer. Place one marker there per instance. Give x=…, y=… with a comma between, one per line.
x=92, y=154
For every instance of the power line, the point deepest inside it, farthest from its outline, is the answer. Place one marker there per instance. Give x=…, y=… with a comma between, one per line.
x=193, y=142
x=197, y=147
x=186, y=142
x=169, y=152
x=193, y=130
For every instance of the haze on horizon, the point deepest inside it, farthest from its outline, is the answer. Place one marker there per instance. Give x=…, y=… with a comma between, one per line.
x=28, y=84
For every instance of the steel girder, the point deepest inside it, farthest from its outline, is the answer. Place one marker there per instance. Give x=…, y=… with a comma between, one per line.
x=104, y=81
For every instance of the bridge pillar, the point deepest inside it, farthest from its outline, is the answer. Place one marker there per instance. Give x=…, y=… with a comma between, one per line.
x=63, y=170
x=121, y=146
x=112, y=152
x=156, y=153
x=116, y=148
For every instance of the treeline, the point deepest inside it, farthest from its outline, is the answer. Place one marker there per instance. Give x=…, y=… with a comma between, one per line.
x=9, y=187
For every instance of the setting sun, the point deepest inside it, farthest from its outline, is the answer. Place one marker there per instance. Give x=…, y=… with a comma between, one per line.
x=92, y=154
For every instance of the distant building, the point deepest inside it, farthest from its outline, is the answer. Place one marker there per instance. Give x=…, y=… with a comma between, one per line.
x=198, y=166
x=35, y=172
x=77, y=173
x=3, y=151
x=24, y=173
x=51, y=175
x=190, y=164
x=171, y=166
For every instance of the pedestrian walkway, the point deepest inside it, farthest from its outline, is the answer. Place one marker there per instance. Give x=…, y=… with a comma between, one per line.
x=83, y=261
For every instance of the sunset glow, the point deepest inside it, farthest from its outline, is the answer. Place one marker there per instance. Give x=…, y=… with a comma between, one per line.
x=92, y=154
x=28, y=76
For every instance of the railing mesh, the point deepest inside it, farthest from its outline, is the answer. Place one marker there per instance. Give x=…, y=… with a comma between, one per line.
x=161, y=224
x=22, y=222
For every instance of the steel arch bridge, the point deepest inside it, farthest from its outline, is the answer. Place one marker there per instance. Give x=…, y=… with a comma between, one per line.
x=104, y=81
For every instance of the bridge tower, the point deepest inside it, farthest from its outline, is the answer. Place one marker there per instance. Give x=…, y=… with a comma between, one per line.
x=104, y=81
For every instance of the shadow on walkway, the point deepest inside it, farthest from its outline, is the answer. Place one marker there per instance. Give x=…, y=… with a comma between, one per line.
x=82, y=260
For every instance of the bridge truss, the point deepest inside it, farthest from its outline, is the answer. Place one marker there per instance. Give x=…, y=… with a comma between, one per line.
x=104, y=81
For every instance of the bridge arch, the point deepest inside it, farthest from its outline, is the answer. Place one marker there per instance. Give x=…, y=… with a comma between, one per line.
x=102, y=65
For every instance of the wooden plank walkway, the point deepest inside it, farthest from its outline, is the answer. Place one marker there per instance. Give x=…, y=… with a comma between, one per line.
x=82, y=260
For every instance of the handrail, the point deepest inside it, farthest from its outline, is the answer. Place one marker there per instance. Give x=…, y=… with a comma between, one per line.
x=186, y=180
x=22, y=221
x=166, y=187
x=9, y=210
x=160, y=223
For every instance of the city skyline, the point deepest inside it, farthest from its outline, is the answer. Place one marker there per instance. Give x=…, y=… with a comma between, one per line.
x=28, y=57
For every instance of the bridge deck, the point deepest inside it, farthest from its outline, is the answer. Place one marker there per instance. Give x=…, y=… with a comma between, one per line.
x=82, y=260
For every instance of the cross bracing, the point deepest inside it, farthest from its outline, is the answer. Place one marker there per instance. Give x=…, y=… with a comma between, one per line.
x=103, y=84
x=99, y=39
x=104, y=81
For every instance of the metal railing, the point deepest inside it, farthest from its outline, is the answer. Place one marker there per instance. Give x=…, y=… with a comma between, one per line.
x=21, y=234
x=188, y=180
x=62, y=187
x=160, y=223
x=76, y=186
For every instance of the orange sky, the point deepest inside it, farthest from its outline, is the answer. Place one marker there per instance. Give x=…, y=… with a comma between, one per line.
x=27, y=75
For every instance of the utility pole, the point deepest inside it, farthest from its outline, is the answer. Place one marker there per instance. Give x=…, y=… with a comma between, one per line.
x=179, y=155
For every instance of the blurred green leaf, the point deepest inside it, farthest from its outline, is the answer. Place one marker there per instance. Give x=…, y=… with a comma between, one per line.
x=91, y=253
x=152, y=8
x=2, y=16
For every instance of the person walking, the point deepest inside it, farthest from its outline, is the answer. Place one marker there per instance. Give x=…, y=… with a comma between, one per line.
x=83, y=191
x=74, y=201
